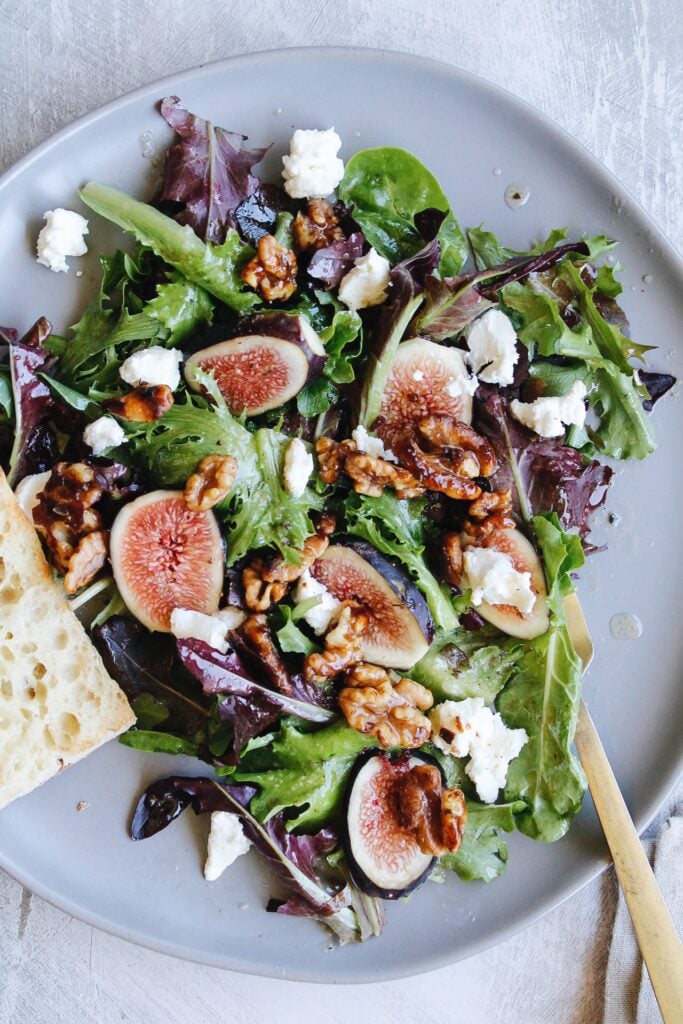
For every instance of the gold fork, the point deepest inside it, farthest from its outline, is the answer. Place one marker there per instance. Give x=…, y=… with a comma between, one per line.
x=659, y=944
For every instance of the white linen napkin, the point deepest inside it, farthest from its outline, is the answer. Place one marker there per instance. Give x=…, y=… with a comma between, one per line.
x=629, y=998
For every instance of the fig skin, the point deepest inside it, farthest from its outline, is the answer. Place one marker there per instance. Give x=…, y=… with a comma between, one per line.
x=408, y=616
x=360, y=878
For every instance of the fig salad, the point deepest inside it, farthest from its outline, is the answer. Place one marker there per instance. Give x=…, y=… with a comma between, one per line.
x=318, y=468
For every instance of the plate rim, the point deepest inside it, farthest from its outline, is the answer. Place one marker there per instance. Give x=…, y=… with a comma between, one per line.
x=669, y=251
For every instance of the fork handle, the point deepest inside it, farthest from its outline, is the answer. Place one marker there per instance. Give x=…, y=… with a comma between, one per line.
x=659, y=944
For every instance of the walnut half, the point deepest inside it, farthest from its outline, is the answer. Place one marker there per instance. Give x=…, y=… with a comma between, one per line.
x=210, y=482
x=343, y=645
x=272, y=272
x=433, y=815
x=377, y=702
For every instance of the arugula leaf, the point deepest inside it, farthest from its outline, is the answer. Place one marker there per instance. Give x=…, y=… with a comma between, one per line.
x=306, y=771
x=467, y=664
x=387, y=187
x=543, y=697
x=482, y=854
x=396, y=528
x=213, y=267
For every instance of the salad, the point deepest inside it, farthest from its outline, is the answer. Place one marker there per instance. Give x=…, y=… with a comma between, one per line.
x=318, y=468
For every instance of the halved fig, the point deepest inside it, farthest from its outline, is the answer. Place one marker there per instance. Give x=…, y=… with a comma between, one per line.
x=164, y=556
x=384, y=859
x=267, y=364
x=400, y=624
x=523, y=555
x=425, y=379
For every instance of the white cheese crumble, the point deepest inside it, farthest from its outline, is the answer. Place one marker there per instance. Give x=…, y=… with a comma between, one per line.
x=366, y=283
x=297, y=468
x=493, y=348
x=103, y=433
x=27, y=491
x=458, y=387
x=312, y=169
x=63, y=235
x=226, y=843
x=548, y=416
x=372, y=445
x=466, y=728
x=321, y=616
x=418, y=375
x=232, y=616
x=493, y=578
x=153, y=366
x=187, y=624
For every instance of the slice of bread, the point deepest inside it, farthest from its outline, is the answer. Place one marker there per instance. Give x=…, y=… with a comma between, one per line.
x=57, y=702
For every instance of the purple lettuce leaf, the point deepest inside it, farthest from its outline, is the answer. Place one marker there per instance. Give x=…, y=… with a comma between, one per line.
x=207, y=170
x=330, y=264
x=453, y=303
x=656, y=385
x=315, y=889
x=249, y=707
x=543, y=474
x=32, y=398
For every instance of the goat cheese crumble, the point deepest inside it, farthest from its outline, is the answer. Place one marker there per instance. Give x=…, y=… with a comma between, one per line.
x=493, y=348
x=187, y=624
x=458, y=387
x=321, y=616
x=366, y=283
x=493, y=578
x=103, y=433
x=549, y=416
x=28, y=490
x=466, y=728
x=312, y=168
x=372, y=445
x=63, y=235
x=297, y=468
x=152, y=366
x=226, y=843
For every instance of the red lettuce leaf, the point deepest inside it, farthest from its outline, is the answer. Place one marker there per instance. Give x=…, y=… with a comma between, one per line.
x=206, y=170
x=257, y=214
x=656, y=385
x=329, y=265
x=315, y=888
x=32, y=398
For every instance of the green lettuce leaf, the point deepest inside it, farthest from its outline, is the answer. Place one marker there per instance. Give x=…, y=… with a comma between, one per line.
x=396, y=528
x=467, y=664
x=180, y=307
x=543, y=698
x=482, y=855
x=489, y=252
x=386, y=187
x=306, y=771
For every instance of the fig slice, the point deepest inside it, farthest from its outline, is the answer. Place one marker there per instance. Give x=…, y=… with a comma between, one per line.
x=267, y=364
x=164, y=556
x=400, y=624
x=384, y=859
x=524, y=557
x=425, y=379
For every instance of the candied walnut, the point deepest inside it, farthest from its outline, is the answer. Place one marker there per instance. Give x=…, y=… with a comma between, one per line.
x=331, y=457
x=377, y=702
x=343, y=645
x=489, y=502
x=437, y=473
x=371, y=474
x=259, y=594
x=316, y=228
x=433, y=815
x=325, y=524
x=210, y=482
x=255, y=632
x=277, y=570
x=447, y=433
x=144, y=404
x=452, y=553
x=480, y=529
x=64, y=513
x=88, y=558
x=272, y=272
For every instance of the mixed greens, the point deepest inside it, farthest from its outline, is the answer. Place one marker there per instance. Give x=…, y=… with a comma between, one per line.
x=360, y=453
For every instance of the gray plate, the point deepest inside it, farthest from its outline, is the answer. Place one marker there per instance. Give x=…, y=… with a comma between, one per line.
x=463, y=128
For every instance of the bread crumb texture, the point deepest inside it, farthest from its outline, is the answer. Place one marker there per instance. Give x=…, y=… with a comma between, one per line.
x=57, y=701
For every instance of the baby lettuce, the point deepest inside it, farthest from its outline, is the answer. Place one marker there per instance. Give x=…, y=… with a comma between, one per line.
x=316, y=886
x=543, y=698
x=214, y=268
x=386, y=188
x=207, y=170
x=31, y=397
x=467, y=664
x=482, y=854
x=343, y=341
x=396, y=528
x=302, y=771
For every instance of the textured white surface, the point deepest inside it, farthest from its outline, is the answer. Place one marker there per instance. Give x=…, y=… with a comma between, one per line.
x=609, y=72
